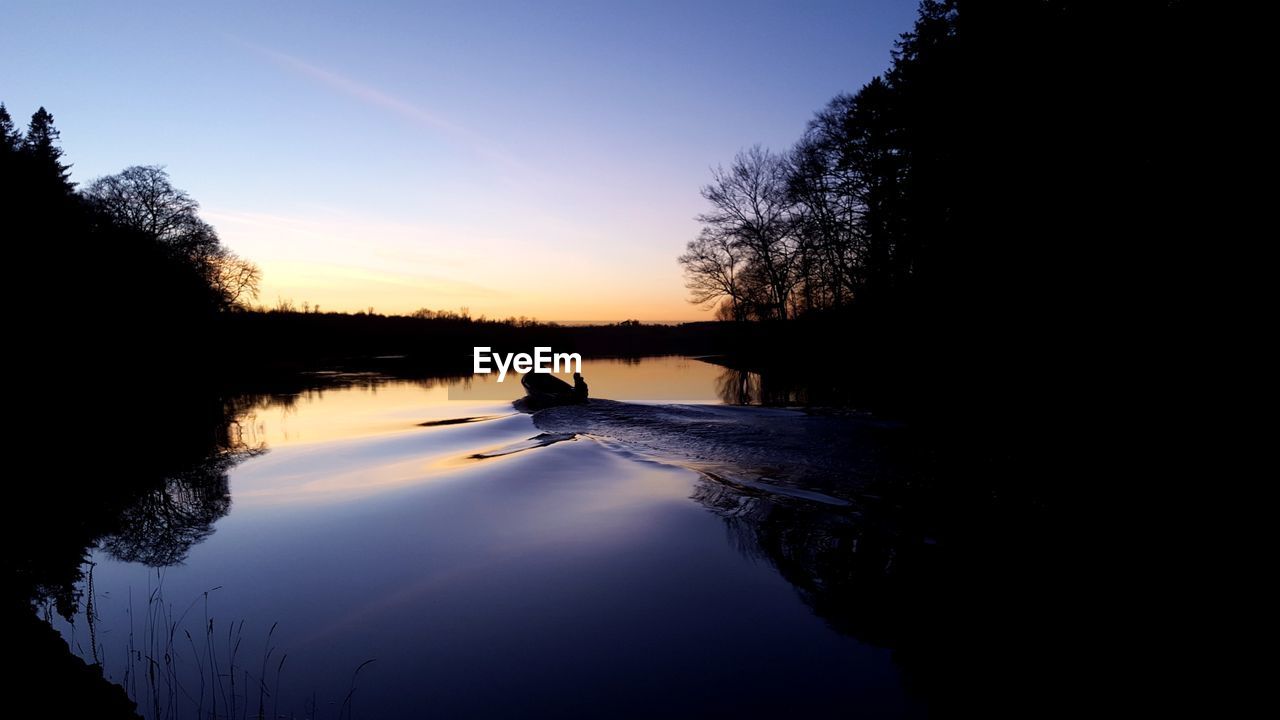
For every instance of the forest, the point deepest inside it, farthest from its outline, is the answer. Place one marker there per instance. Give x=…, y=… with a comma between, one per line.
x=977, y=226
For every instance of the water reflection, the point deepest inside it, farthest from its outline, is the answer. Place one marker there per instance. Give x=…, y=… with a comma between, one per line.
x=160, y=527
x=805, y=492
x=847, y=564
x=738, y=386
x=322, y=407
x=444, y=553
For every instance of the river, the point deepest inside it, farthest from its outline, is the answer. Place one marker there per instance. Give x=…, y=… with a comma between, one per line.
x=382, y=548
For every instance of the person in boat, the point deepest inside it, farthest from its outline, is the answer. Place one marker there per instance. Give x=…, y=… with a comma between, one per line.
x=547, y=390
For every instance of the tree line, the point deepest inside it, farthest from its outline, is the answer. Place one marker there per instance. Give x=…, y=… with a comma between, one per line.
x=139, y=201
x=1007, y=155
x=828, y=222
x=983, y=214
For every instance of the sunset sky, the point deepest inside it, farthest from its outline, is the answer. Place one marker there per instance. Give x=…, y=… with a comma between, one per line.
x=516, y=158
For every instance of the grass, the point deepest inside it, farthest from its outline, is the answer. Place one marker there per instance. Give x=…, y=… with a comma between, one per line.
x=172, y=673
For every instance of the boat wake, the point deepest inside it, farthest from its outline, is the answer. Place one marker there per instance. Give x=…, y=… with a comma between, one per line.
x=821, y=458
x=537, y=441
x=783, y=454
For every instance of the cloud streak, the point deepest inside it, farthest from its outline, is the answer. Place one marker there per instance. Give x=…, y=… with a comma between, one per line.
x=370, y=95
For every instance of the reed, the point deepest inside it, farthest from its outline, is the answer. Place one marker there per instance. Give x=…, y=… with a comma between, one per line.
x=171, y=675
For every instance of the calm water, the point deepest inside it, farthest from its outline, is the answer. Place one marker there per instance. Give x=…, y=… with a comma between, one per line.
x=660, y=555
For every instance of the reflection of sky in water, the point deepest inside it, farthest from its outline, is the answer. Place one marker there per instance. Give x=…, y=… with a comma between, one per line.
x=382, y=407
x=565, y=580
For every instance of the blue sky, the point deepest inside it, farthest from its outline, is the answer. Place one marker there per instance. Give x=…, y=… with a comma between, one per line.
x=516, y=158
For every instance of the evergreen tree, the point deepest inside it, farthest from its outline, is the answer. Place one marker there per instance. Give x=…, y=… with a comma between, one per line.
x=42, y=146
x=10, y=138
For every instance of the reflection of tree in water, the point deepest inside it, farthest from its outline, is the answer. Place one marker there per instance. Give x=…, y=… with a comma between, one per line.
x=162, y=524
x=855, y=566
x=745, y=387
x=738, y=387
x=861, y=568
x=165, y=522
x=777, y=387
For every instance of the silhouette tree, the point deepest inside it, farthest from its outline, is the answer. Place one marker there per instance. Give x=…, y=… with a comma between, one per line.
x=11, y=157
x=10, y=138
x=142, y=199
x=41, y=145
x=871, y=155
x=749, y=221
x=236, y=279
x=820, y=185
x=713, y=269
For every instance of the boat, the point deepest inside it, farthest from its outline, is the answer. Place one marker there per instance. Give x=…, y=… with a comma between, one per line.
x=546, y=390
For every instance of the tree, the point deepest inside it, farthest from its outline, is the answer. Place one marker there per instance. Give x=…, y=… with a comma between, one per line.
x=846, y=177
x=872, y=155
x=41, y=144
x=750, y=219
x=10, y=138
x=10, y=158
x=142, y=199
x=712, y=264
x=825, y=213
x=236, y=279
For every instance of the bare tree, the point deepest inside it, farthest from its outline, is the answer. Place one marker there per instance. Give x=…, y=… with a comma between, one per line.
x=825, y=211
x=236, y=279
x=846, y=181
x=142, y=199
x=750, y=215
x=712, y=265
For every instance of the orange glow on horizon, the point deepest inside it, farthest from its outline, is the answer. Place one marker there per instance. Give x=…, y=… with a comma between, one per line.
x=328, y=261
x=338, y=289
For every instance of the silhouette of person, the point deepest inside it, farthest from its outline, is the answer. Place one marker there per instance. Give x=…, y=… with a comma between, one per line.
x=579, y=388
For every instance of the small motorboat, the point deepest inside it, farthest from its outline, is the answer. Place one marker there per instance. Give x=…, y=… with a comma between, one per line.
x=547, y=390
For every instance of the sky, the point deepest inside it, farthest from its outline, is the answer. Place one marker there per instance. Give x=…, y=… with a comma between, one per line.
x=538, y=159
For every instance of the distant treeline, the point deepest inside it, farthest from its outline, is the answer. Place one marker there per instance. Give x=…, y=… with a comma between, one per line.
x=274, y=341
